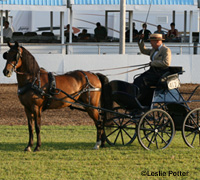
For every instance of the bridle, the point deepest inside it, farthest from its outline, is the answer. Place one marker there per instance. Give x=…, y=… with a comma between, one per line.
x=18, y=56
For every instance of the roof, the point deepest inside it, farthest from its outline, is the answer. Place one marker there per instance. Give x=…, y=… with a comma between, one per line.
x=61, y=5
x=136, y=5
x=134, y=2
x=34, y=5
x=34, y=2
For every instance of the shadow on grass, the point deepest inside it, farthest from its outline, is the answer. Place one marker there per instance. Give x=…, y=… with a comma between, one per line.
x=48, y=146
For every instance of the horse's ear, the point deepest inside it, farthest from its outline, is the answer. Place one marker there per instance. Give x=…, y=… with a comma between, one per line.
x=16, y=44
x=9, y=44
x=5, y=55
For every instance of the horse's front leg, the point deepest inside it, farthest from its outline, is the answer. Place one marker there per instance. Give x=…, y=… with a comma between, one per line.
x=30, y=117
x=37, y=114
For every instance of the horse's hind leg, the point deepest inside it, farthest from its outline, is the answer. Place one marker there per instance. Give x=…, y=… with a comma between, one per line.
x=94, y=114
x=30, y=117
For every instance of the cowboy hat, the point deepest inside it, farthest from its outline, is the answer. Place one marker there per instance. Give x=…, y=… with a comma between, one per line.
x=156, y=37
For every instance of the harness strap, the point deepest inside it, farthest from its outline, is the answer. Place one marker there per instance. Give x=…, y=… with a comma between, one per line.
x=89, y=87
x=51, y=90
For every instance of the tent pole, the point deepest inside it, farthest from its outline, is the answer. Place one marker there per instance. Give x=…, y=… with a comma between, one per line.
x=106, y=20
x=1, y=27
x=122, y=26
x=51, y=21
x=70, y=30
x=131, y=26
x=185, y=24
x=62, y=32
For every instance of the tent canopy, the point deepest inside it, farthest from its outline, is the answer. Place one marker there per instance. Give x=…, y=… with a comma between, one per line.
x=33, y=5
x=135, y=5
x=61, y=5
x=134, y=2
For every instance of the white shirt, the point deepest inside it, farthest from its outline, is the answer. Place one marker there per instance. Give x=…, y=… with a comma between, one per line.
x=7, y=32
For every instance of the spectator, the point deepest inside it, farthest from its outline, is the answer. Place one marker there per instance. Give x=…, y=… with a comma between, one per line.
x=160, y=31
x=66, y=33
x=84, y=35
x=100, y=32
x=172, y=33
x=7, y=32
x=135, y=34
x=144, y=33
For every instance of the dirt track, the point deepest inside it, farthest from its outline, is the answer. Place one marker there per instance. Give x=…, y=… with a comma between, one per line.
x=12, y=112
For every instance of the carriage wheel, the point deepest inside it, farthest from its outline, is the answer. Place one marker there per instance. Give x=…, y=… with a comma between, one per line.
x=120, y=130
x=191, y=128
x=155, y=129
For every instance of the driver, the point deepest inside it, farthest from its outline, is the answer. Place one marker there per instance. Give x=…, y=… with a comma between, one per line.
x=160, y=57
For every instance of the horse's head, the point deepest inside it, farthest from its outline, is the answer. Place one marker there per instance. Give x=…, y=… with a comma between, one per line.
x=13, y=58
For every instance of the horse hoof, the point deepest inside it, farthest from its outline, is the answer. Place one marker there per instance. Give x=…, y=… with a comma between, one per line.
x=102, y=146
x=36, y=149
x=97, y=145
x=28, y=149
x=96, y=148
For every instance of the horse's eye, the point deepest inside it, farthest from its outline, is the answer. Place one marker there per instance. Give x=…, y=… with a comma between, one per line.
x=5, y=55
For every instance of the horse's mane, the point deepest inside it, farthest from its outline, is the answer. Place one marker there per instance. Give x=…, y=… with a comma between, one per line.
x=30, y=63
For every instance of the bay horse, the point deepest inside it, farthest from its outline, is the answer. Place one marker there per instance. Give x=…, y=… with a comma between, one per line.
x=39, y=90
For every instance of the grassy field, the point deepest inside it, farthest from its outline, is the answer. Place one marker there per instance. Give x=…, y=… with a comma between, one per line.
x=67, y=153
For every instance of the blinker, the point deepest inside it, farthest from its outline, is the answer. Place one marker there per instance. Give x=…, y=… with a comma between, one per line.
x=5, y=55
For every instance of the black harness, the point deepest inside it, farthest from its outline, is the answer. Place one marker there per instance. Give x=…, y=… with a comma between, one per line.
x=52, y=90
x=37, y=89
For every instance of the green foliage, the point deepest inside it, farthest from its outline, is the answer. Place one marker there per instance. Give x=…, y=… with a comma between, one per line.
x=67, y=153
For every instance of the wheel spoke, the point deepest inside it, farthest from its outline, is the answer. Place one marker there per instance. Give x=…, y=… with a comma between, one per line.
x=116, y=123
x=146, y=129
x=146, y=135
x=156, y=142
x=194, y=138
x=117, y=137
x=127, y=133
x=122, y=136
x=190, y=133
x=168, y=133
x=191, y=127
x=146, y=120
x=112, y=132
x=162, y=138
x=150, y=142
x=192, y=119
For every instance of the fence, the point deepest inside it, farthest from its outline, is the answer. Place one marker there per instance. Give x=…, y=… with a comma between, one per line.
x=100, y=48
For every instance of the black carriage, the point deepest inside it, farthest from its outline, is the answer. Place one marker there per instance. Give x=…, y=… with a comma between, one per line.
x=153, y=125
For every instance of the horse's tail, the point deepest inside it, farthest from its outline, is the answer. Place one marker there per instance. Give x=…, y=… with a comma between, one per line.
x=106, y=101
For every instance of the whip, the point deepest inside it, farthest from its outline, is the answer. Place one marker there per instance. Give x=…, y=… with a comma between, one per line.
x=146, y=19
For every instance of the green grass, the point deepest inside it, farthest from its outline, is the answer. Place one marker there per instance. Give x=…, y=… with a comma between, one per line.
x=67, y=153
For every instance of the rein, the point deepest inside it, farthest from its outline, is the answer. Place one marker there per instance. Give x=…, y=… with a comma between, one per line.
x=143, y=67
x=120, y=67
x=140, y=66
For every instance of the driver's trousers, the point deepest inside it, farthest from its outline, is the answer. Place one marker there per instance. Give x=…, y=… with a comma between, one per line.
x=146, y=83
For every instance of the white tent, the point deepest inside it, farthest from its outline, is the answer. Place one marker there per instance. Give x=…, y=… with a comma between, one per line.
x=35, y=5
x=106, y=5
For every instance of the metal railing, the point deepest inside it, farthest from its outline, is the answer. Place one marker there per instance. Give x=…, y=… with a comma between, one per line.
x=101, y=48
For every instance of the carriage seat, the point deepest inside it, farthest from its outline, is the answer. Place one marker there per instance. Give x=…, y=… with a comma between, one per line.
x=170, y=80
x=125, y=94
